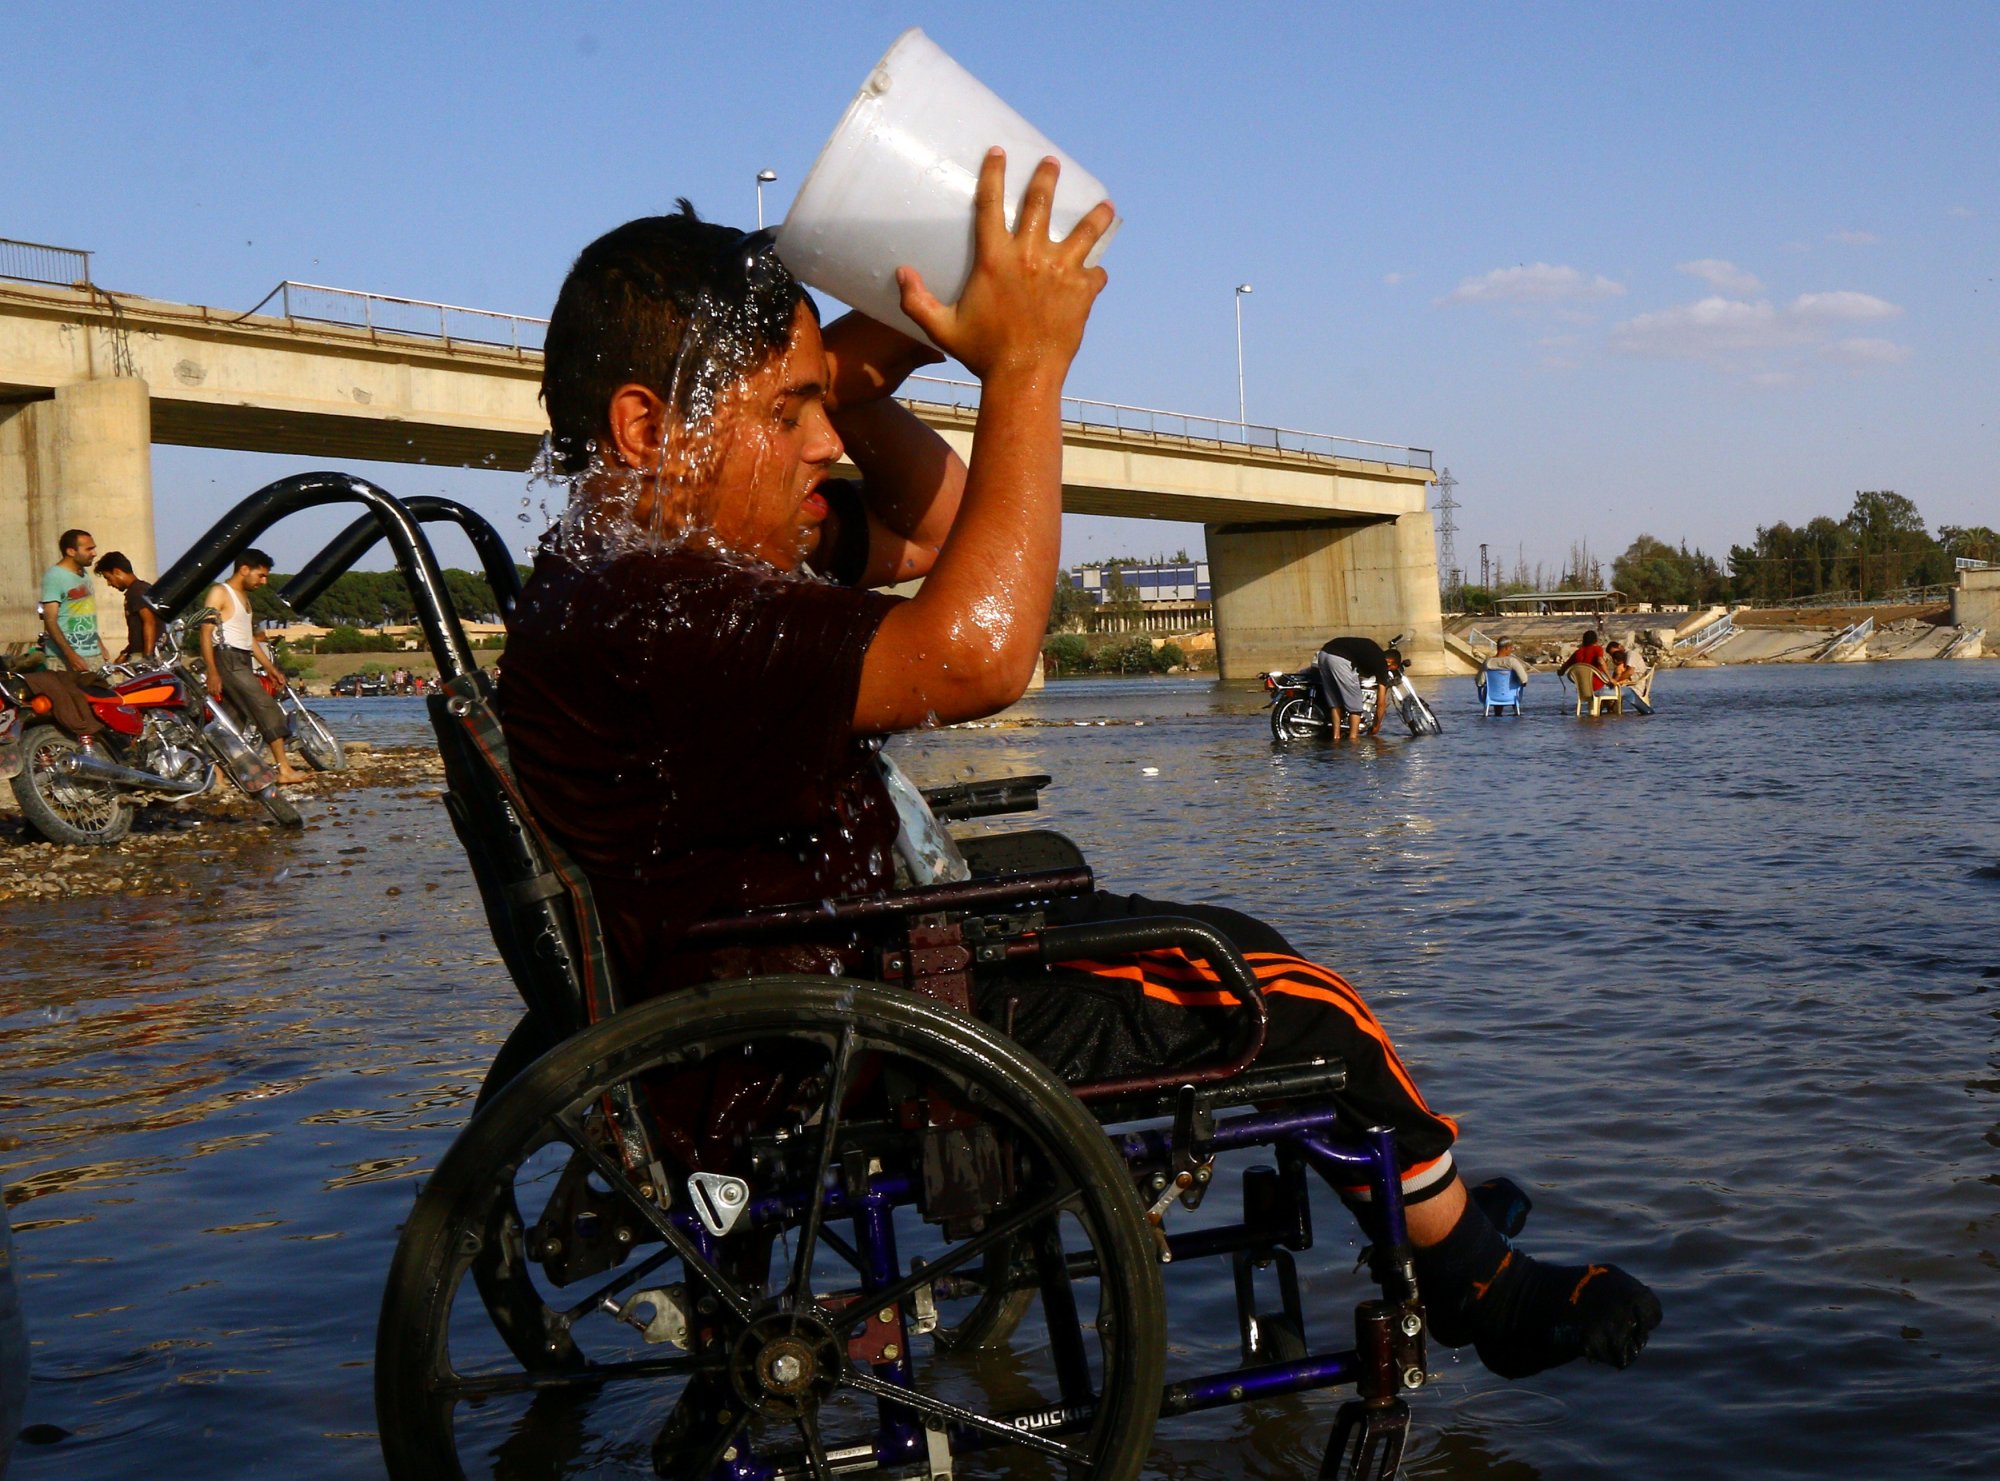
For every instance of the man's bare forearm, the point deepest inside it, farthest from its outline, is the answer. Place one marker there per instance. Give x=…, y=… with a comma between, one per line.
x=999, y=567
x=913, y=482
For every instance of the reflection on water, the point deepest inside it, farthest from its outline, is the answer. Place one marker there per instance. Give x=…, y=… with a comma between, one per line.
x=1719, y=986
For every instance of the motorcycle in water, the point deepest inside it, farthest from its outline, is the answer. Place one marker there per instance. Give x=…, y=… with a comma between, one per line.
x=319, y=745
x=164, y=740
x=1300, y=711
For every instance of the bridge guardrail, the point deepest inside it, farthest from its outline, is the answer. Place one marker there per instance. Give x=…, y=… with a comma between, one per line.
x=38, y=262
x=1152, y=422
x=420, y=318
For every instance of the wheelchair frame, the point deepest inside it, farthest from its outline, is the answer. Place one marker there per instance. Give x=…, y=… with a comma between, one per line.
x=1165, y=1130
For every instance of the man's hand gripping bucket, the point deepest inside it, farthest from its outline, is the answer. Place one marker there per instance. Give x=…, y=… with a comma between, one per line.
x=893, y=186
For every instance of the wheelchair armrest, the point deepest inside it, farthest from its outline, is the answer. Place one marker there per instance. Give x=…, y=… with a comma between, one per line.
x=960, y=800
x=1031, y=851
x=1110, y=938
x=973, y=894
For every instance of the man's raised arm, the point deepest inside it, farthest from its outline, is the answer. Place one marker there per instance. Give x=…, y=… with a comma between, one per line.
x=966, y=644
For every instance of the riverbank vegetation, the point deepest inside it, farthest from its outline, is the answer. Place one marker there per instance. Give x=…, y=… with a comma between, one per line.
x=1879, y=548
x=1067, y=654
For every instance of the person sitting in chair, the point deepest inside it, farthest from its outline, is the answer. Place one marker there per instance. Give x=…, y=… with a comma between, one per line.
x=1589, y=653
x=699, y=676
x=1504, y=659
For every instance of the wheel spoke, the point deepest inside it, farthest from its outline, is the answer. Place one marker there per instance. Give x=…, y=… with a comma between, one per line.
x=799, y=1291
x=596, y=1299
x=485, y=1385
x=697, y=1265
x=816, y=1464
x=719, y=1446
x=938, y=1409
x=843, y=1249
x=959, y=1254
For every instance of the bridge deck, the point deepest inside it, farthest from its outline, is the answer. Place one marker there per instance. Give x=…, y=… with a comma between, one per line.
x=314, y=389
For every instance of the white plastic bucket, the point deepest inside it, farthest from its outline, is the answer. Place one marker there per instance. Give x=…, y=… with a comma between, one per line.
x=894, y=185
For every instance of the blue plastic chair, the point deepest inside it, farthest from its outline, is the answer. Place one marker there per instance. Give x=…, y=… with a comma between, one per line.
x=1499, y=690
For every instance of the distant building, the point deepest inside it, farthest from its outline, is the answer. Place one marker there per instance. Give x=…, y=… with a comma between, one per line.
x=1183, y=581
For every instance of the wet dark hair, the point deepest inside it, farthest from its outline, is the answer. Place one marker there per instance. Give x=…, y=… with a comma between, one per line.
x=70, y=539
x=253, y=557
x=112, y=560
x=675, y=303
x=1589, y=637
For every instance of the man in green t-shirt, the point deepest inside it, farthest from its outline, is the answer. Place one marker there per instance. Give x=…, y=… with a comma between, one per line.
x=69, y=607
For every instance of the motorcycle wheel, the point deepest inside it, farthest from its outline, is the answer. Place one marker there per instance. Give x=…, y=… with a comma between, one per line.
x=281, y=810
x=65, y=809
x=322, y=750
x=1296, y=718
x=1417, y=715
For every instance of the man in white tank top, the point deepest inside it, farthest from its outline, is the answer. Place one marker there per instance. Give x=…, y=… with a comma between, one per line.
x=229, y=652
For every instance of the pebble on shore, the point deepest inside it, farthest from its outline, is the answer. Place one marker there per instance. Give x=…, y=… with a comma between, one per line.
x=151, y=859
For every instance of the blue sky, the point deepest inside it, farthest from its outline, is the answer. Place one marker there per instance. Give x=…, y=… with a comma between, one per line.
x=1684, y=269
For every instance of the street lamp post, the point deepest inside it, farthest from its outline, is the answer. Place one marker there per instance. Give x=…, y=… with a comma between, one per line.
x=764, y=177
x=1242, y=416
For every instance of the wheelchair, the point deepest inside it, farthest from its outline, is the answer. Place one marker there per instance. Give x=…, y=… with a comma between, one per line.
x=796, y=1226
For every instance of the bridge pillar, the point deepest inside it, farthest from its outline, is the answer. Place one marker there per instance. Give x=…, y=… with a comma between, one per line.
x=81, y=459
x=1282, y=589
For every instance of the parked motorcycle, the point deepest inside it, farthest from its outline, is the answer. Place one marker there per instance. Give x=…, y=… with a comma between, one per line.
x=164, y=740
x=314, y=741
x=1300, y=710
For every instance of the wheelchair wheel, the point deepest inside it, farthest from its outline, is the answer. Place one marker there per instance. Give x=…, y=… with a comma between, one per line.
x=526, y=1042
x=893, y=1168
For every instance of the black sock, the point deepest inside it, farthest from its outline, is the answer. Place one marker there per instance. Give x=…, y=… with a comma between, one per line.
x=1522, y=1315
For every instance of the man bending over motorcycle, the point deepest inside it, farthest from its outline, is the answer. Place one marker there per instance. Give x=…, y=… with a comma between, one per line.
x=698, y=677
x=1343, y=663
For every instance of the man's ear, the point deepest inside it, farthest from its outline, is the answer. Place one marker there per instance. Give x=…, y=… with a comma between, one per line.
x=638, y=420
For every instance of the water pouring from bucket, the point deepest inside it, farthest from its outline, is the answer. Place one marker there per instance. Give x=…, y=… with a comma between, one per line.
x=894, y=185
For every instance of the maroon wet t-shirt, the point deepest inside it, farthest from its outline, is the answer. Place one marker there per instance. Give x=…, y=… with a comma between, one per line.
x=683, y=727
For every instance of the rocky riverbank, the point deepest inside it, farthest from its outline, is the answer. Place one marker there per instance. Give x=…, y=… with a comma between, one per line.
x=169, y=846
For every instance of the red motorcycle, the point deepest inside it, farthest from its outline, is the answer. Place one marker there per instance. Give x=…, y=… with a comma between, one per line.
x=164, y=740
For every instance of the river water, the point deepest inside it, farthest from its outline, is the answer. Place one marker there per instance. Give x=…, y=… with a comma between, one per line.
x=1721, y=987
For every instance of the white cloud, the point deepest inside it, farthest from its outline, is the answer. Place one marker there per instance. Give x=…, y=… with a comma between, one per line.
x=1865, y=352
x=1713, y=327
x=1535, y=283
x=1842, y=306
x=1392, y=279
x=1963, y=213
x=1743, y=336
x=1722, y=276
x=1853, y=238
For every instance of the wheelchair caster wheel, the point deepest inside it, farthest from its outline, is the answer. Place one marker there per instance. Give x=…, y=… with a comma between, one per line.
x=1367, y=1442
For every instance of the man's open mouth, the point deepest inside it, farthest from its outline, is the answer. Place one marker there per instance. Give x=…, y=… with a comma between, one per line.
x=814, y=504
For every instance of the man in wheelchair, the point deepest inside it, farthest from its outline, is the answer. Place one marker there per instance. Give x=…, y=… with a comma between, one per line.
x=700, y=671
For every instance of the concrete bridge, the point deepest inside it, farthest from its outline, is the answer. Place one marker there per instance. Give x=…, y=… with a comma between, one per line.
x=1307, y=535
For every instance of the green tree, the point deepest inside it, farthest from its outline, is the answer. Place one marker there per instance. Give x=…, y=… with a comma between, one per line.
x=1066, y=653
x=1969, y=542
x=1892, y=549
x=1070, y=606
